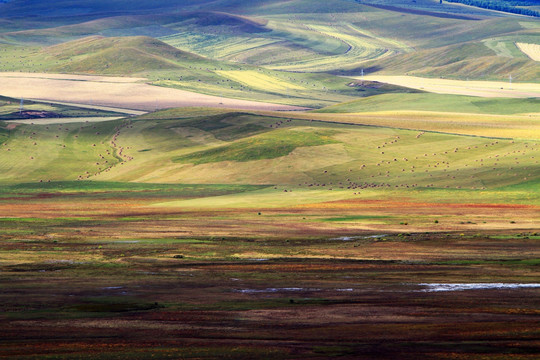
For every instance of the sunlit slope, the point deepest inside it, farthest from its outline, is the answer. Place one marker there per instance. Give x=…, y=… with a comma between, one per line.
x=98, y=54
x=56, y=152
x=438, y=103
x=242, y=148
x=126, y=55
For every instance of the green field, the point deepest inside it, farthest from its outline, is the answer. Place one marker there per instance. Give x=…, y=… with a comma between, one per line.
x=336, y=160
x=438, y=103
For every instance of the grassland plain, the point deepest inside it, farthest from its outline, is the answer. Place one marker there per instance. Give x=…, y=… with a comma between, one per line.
x=390, y=223
x=120, y=277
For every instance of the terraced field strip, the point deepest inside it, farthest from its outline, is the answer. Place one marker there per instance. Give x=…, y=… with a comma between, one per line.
x=360, y=45
x=116, y=92
x=532, y=50
x=461, y=87
x=260, y=81
x=216, y=46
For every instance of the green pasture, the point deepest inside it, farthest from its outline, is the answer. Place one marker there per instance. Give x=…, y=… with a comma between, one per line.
x=437, y=103
x=268, y=146
x=300, y=160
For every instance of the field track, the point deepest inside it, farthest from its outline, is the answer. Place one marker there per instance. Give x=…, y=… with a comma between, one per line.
x=115, y=92
x=460, y=87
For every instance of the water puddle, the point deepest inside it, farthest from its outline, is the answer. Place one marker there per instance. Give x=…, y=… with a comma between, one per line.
x=475, y=286
x=274, y=290
x=351, y=238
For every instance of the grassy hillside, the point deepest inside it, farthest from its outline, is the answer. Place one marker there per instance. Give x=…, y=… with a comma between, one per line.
x=125, y=55
x=312, y=36
x=314, y=160
x=438, y=103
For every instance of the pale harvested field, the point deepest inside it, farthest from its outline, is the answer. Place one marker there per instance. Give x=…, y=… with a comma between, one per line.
x=531, y=50
x=461, y=87
x=49, y=121
x=115, y=92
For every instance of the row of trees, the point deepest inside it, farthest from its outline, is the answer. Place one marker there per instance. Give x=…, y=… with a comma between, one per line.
x=506, y=6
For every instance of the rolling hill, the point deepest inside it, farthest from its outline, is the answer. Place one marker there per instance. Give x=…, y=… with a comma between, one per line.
x=125, y=55
x=309, y=36
x=294, y=155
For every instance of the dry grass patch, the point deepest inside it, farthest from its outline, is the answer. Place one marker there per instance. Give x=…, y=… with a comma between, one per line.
x=531, y=50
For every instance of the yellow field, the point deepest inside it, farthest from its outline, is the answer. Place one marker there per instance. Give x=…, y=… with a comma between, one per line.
x=115, y=92
x=461, y=87
x=502, y=126
x=259, y=81
x=531, y=50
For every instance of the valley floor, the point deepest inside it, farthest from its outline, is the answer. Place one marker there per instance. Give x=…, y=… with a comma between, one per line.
x=120, y=278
